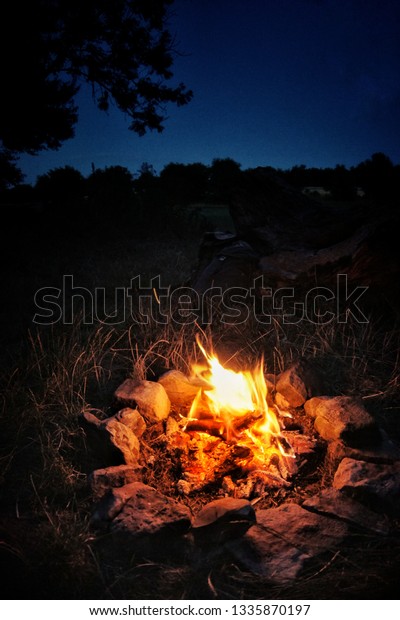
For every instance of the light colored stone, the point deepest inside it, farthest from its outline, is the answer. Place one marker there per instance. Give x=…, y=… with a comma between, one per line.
x=147, y=525
x=345, y=418
x=291, y=386
x=298, y=383
x=132, y=419
x=375, y=484
x=311, y=405
x=287, y=540
x=150, y=398
x=180, y=390
x=124, y=440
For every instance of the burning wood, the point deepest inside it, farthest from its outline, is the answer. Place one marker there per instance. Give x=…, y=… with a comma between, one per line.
x=233, y=405
x=233, y=431
x=218, y=428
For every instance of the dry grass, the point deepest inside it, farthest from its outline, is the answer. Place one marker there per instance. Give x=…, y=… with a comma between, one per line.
x=64, y=370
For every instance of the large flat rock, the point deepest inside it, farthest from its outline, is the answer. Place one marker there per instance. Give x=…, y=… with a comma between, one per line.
x=139, y=521
x=286, y=541
x=334, y=503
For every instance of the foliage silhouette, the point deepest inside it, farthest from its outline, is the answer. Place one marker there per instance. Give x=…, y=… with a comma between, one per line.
x=60, y=185
x=185, y=183
x=223, y=175
x=49, y=48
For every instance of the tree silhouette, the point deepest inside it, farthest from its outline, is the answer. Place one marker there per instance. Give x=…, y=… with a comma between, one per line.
x=110, y=190
x=184, y=183
x=60, y=186
x=341, y=183
x=377, y=176
x=9, y=172
x=48, y=48
x=224, y=174
x=61, y=193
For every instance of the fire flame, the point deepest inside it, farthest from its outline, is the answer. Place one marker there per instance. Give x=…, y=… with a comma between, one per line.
x=238, y=402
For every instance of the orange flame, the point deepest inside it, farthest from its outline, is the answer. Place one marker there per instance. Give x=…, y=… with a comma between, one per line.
x=230, y=397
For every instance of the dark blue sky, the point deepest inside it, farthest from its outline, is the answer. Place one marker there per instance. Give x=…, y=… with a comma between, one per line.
x=276, y=82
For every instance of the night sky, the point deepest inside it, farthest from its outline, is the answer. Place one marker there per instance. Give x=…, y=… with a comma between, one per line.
x=276, y=83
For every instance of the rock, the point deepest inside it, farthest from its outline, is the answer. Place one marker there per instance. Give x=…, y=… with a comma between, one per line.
x=292, y=387
x=375, y=484
x=178, y=387
x=102, y=480
x=334, y=503
x=150, y=524
x=111, y=442
x=384, y=452
x=311, y=405
x=345, y=418
x=113, y=502
x=123, y=439
x=298, y=383
x=132, y=419
x=287, y=540
x=150, y=398
x=148, y=512
x=222, y=520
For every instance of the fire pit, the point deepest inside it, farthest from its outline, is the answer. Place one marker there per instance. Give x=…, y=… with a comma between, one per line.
x=185, y=461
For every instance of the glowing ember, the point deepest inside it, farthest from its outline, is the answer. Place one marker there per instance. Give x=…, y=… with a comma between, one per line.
x=236, y=402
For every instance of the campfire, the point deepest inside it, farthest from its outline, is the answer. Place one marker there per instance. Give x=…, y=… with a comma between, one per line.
x=221, y=431
x=185, y=459
x=234, y=405
x=233, y=433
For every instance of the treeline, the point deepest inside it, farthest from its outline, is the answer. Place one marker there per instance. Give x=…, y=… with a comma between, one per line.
x=116, y=197
x=115, y=185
